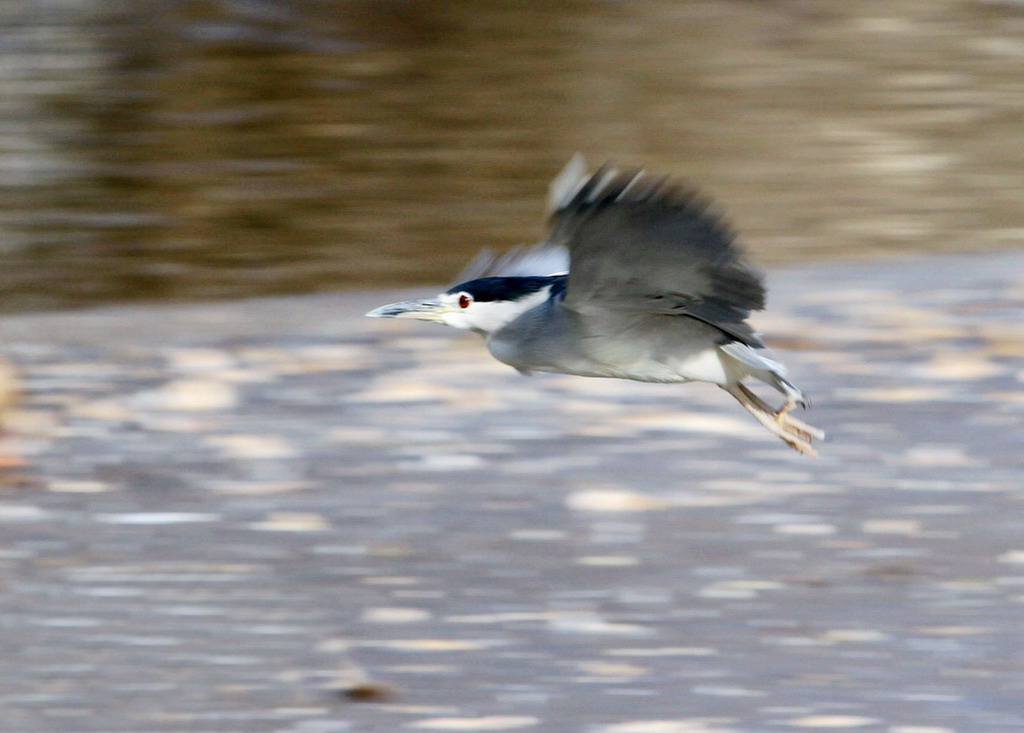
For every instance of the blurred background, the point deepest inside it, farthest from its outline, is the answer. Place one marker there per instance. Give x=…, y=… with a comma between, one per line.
x=241, y=516
x=197, y=149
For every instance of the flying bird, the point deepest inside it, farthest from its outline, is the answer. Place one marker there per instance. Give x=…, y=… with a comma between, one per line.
x=638, y=280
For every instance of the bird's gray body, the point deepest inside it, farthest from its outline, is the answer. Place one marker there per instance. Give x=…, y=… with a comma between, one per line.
x=648, y=348
x=656, y=291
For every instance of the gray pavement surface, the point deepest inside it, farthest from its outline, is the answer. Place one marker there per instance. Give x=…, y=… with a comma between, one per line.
x=229, y=513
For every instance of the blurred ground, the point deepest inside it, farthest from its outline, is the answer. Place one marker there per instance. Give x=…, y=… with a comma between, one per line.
x=229, y=512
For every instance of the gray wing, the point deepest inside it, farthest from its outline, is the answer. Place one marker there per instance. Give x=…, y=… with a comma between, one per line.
x=539, y=260
x=639, y=244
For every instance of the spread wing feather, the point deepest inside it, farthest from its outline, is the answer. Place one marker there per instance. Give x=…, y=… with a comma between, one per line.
x=639, y=243
x=539, y=260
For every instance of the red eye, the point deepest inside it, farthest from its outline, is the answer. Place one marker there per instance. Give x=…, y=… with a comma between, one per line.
x=464, y=301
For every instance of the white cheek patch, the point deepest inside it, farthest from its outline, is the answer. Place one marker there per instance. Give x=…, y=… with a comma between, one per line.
x=490, y=315
x=493, y=315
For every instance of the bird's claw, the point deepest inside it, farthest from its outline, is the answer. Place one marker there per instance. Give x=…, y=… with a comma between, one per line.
x=790, y=424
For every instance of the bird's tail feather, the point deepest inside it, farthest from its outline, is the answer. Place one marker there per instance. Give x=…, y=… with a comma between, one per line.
x=768, y=370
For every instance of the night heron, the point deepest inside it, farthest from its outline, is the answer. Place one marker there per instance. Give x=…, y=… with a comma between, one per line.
x=638, y=280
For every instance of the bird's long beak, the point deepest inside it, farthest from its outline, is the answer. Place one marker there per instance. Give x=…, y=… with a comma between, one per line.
x=428, y=309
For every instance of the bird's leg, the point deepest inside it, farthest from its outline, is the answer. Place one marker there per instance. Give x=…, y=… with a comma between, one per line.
x=797, y=439
x=786, y=421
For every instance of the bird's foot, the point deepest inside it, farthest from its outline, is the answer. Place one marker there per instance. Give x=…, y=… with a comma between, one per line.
x=795, y=433
x=790, y=424
x=798, y=444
